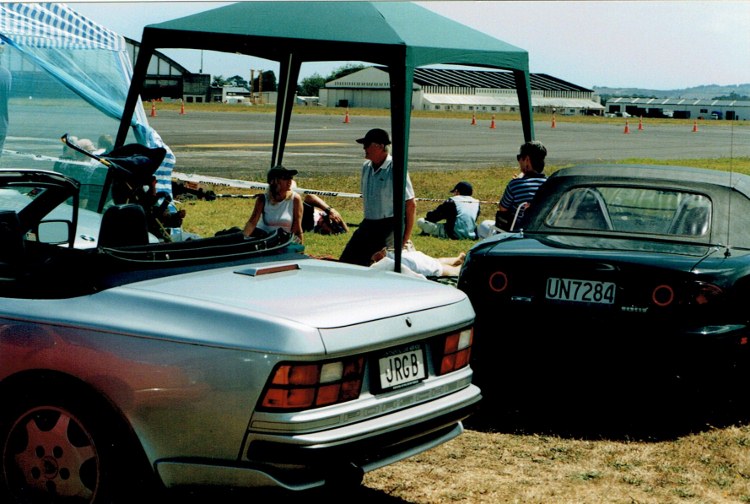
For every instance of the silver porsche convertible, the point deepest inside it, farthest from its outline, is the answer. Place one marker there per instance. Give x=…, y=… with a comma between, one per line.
x=222, y=361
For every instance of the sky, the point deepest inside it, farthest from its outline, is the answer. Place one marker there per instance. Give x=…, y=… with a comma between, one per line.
x=660, y=45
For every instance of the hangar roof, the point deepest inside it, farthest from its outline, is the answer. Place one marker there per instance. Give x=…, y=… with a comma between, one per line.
x=510, y=101
x=489, y=79
x=675, y=102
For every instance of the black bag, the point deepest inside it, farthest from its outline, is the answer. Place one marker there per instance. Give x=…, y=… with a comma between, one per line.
x=501, y=221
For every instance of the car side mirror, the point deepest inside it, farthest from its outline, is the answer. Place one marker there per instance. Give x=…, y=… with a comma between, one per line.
x=54, y=232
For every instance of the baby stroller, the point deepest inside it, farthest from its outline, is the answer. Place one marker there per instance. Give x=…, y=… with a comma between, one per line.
x=131, y=176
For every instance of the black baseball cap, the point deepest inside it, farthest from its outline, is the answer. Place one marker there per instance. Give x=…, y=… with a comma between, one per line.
x=464, y=188
x=377, y=135
x=280, y=171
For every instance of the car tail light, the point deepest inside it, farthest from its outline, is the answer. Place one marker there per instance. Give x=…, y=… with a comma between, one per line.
x=706, y=292
x=296, y=386
x=498, y=281
x=697, y=293
x=456, y=351
x=662, y=295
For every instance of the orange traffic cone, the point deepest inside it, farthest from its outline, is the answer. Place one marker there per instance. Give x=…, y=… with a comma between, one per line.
x=153, y=108
x=695, y=126
x=627, y=127
x=492, y=124
x=640, y=123
x=182, y=107
x=554, y=123
x=473, y=119
x=346, y=117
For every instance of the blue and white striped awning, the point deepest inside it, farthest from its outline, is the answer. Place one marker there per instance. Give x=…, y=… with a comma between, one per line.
x=54, y=25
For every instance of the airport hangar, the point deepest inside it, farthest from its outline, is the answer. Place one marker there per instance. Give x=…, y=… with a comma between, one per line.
x=461, y=90
x=434, y=89
x=681, y=108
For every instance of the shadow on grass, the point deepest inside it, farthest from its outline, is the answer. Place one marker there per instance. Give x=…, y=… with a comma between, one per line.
x=360, y=495
x=653, y=409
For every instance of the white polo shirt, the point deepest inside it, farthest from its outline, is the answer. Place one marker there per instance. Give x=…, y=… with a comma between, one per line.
x=376, y=187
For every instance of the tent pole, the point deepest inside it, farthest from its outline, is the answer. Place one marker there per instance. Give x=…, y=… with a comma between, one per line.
x=136, y=84
x=289, y=71
x=402, y=82
x=523, y=89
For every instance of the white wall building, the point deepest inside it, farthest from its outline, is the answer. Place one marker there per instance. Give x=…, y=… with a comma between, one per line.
x=683, y=108
x=461, y=90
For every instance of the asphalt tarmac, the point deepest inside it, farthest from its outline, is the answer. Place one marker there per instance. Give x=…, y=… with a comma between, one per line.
x=230, y=144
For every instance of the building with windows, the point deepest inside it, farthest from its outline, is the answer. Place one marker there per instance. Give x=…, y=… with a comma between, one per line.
x=461, y=90
x=681, y=108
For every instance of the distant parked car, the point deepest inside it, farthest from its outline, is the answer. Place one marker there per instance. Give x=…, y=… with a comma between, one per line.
x=218, y=361
x=623, y=272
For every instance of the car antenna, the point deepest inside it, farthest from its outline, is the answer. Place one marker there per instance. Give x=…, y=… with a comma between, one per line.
x=727, y=251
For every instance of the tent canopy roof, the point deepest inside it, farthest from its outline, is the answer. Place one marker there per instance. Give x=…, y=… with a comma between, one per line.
x=399, y=35
x=330, y=31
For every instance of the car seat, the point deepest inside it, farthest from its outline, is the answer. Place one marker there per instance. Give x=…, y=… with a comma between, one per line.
x=11, y=239
x=123, y=225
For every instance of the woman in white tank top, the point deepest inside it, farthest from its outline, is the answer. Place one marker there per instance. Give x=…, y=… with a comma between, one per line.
x=278, y=207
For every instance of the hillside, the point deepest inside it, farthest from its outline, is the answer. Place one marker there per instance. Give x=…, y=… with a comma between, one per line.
x=707, y=91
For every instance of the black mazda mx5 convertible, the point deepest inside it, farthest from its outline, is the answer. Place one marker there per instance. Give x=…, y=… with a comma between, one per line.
x=623, y=272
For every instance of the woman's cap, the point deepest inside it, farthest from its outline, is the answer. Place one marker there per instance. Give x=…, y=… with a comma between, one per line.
x=280, y=171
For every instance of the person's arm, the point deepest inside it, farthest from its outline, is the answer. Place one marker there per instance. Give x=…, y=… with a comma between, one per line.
x=255, y=216
x=444, y=211
x=410, y=218
x=297, y=218
x=317, y=202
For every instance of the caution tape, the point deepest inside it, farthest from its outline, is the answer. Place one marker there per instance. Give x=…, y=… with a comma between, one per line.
x=244, y=184
x=53, y=159
x=217, y=181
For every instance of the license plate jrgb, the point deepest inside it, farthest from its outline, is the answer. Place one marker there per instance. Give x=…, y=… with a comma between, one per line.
x=402, y=367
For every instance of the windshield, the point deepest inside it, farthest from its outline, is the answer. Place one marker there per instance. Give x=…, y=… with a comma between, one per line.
x=633, y=210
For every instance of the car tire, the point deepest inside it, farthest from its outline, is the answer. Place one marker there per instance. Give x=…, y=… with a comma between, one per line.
x=60, y=448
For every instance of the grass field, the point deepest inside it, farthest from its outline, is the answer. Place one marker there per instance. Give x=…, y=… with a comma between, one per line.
x=205, y=218
x=492, y=462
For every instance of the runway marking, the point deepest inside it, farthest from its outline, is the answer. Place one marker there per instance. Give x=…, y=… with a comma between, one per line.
x=265, y=144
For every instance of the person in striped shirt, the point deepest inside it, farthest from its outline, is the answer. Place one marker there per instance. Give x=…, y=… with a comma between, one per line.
x=520, y=190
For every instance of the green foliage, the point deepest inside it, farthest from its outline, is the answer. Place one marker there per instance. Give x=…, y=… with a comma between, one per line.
x=732, y=96
x=344, y=70
x=311, y=85
x=237, y=80
x=269, y=81
x=219, y=81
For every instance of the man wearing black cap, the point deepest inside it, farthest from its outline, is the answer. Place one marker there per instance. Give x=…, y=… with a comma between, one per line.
x=459, y=212
x=376, y=229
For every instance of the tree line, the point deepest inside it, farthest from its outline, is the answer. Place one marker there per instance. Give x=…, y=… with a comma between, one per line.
x=309, y=86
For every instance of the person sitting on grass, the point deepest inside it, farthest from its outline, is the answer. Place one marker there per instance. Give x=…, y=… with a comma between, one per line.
x=278, y=208
x=459, y=212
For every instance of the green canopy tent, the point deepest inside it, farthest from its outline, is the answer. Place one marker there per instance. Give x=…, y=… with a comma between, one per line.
x=398, y=35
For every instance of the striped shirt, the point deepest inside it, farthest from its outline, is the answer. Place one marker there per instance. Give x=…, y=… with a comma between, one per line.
x=519, y=191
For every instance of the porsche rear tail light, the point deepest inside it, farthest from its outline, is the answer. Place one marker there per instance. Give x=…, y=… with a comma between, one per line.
x=456, y=351
x=297, y=386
